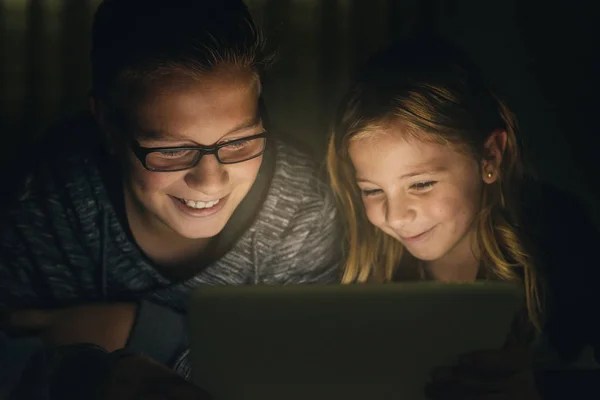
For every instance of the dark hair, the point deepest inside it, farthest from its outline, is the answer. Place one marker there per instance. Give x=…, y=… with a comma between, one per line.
x=137, y=40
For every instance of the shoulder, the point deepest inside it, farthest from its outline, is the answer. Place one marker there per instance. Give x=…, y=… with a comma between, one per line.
x=299, y=196
x=51, y=220
x=297, y=230
x=63, y=166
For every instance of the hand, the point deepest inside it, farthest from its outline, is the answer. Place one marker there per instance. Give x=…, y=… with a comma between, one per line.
x=104, y=324
x=137, y=377
x=489, y=374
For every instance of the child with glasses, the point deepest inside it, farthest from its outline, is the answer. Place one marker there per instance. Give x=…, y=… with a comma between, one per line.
x=174, y=181
x=426, y=164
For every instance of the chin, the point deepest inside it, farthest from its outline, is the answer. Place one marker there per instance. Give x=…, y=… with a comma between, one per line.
x=199, y=232
x=197, y=229
x=426, y=255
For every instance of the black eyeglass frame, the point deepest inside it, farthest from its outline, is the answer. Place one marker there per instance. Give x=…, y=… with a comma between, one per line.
x=142, y=152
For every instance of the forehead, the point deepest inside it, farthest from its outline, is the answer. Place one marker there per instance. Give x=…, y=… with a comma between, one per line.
x=389, y=153
x=196, y=109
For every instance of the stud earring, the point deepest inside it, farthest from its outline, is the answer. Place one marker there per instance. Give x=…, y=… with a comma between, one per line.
x=489, y=174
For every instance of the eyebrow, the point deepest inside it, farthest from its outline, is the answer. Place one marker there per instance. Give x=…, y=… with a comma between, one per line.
x=423, y=169
x=158, y=134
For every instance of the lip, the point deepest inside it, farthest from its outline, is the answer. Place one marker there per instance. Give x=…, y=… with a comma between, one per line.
x=200, y=212
x=418, y=238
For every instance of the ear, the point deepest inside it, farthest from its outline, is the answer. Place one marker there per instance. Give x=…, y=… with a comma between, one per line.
x=493, y=152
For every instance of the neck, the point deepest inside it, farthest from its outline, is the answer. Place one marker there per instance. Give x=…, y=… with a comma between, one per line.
x=461, y=264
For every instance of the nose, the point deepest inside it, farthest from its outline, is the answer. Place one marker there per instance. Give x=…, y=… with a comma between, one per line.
x=400, y=212
x=209, y=176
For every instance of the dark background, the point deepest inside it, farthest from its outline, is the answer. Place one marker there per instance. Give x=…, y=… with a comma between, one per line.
x=540, y=56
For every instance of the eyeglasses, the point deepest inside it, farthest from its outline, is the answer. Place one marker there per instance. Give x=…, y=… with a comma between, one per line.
x=171, y=159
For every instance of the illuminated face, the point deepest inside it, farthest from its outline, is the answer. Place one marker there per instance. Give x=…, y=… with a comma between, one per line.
x=194, y=203
x=423, y=194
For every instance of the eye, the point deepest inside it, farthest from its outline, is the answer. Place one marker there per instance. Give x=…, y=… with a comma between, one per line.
x=371, y=192
x=173, y=153
x=237, y=144
x=422, y=186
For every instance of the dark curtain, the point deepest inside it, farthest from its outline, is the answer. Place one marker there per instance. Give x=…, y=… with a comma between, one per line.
x=540, y=55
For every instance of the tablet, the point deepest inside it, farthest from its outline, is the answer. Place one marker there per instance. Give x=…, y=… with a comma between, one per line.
x=340, y=341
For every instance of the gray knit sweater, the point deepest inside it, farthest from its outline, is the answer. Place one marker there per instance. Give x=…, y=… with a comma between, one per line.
x=64, y=242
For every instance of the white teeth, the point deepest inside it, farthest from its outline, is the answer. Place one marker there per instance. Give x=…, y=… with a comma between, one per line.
x=200, y=204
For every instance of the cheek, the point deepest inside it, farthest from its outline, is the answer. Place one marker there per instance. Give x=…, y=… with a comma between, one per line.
x=244, y=174
x=445, y=208
x=151, y=182
x=458, y=210
x=374, y=212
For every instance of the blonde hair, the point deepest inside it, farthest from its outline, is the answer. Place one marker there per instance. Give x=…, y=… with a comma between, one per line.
x=438, y=97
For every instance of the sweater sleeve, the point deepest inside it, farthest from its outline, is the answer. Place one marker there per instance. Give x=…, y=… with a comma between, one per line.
x=159, y=333
x=42, y=265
